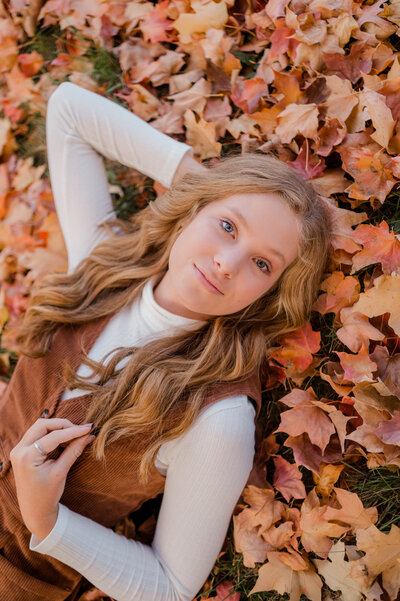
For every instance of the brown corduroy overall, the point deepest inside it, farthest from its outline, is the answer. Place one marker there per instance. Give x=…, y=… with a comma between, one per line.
x=106, y=492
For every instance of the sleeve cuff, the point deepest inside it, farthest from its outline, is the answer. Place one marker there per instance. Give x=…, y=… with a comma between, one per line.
x=55, y=535
x=179, y=149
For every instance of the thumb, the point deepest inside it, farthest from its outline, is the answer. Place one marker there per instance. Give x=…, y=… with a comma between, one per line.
x=73, y=451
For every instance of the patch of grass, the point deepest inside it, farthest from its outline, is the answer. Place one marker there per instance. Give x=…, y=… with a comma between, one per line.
x=134, y=197
x=44, y=42
x=389, y=212
x=106, y=68
x=379, y=487
x=249, y=62
x=33, y=142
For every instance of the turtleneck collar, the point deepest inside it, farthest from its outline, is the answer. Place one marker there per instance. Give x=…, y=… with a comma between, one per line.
x=156, y=317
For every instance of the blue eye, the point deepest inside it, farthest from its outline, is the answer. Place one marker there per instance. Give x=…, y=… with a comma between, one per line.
x=229, y=224
x=264, y=263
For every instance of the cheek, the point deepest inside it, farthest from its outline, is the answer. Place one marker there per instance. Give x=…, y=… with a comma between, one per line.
x=181, y=250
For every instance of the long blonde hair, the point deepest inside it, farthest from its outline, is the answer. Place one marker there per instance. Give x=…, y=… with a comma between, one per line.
x=159, y=391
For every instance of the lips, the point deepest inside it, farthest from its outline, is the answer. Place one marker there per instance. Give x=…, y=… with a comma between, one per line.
x=207, y=278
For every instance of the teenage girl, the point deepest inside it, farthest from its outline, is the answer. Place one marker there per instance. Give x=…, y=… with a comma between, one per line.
x=173, y=312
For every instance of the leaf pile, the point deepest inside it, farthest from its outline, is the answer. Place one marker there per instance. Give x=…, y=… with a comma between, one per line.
x=318, y=83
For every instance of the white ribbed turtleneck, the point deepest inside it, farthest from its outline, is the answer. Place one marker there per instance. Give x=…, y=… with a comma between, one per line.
x=134, y=325
x=208, y=466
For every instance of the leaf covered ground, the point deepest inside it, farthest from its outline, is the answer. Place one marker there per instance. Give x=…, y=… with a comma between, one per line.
x=317, y=83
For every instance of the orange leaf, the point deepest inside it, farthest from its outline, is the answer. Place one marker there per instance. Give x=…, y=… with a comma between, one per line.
x=30, y=63
x=357, y=367
x=379, y=246
x=155, y=24
x=310, y=419
x=288, y=479
x=246, y=94
x=341, y=291
x=277, y=575
x=298, y=347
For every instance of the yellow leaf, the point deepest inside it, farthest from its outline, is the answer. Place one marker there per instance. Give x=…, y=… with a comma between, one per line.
x=205, y=16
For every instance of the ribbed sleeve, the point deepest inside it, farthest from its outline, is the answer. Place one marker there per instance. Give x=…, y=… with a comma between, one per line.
x=80, y=127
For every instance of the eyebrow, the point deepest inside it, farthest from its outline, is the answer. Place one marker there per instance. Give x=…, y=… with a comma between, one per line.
x=240, y=217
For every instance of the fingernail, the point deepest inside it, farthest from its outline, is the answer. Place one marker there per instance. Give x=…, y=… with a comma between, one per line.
x=86, y=425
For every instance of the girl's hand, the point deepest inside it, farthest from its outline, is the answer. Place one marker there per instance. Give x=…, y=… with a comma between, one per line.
x=188, y=163
x=40, y=482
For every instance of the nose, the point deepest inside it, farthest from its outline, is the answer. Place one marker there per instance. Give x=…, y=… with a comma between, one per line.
x=227, y=264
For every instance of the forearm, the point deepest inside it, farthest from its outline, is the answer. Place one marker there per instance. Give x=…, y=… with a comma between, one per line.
x=116, y=133
x=80, y=127
x=125, y=569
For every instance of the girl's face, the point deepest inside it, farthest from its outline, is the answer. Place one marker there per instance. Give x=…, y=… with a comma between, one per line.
x=240, y=244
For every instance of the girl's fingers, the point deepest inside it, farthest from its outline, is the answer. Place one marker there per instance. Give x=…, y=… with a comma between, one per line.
x=41, y=427
x=51, y=441
x=72, y=452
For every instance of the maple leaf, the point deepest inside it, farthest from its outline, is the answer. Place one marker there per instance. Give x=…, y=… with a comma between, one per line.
x=326, y=479
x=211, y=14
x=298, y=347
x=309, y=419
x=372, y=171
x=266, y=510
x=247, y=93
x=277, y=575
x=341, y=291
x=282, y=40
x=338, y=419
x=357, y=367
x=256, y=530
x=244, y=123
x=267, y=118
x=8, y=43
x=225, y=590
x=389, y=431
x=380, y=115
x=336, y=573
x=310, y=455
x=356, y=329
x=315, y=528
x=5, y=127
x=155, y=24
x=351, y=511
x=382, y=556
x=382, y=297
x=30, y=63
x=352, y=65
x=308, y=164
x=379, y=246
x=195, y=98
x=134, y=12
x=343, y=234
x=201, y=135
x=19, y=87
x=388, y=370
x=247, y=540
x=298, y=119
x=288, y=479
x=330, y=135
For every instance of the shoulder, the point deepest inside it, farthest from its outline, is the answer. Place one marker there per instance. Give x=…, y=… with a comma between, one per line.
x=227, y=423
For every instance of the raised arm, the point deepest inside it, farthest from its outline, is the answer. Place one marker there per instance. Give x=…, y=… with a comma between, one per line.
x=82, y=125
